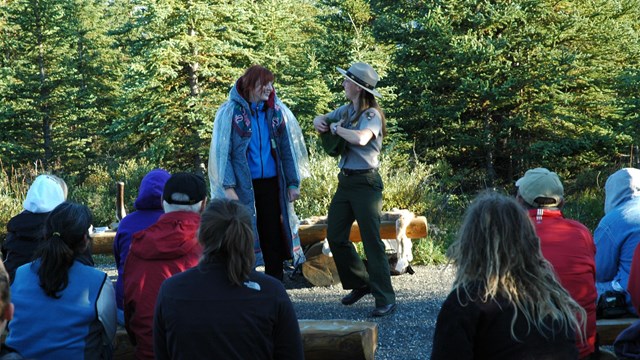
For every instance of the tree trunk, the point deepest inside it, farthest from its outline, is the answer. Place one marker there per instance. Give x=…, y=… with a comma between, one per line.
x=489, y=150
x=44, y=91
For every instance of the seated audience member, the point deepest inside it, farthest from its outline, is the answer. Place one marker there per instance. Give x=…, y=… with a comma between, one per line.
x=506, y=302
x=618, y=233
x=24, y=231
x=633, y=286
x=567, y=244
x=64, y=309
x=6, y=314
x=168, y=247
x=148, y=206
x=223, y=309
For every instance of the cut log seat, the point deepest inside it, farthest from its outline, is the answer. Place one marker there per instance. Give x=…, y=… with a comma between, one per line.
x=339, y=339
x=309, y=234
x=416, y=229
x=608, y=329
x=322, y=339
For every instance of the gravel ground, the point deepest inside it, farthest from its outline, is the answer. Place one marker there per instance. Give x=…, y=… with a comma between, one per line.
x=406, y=334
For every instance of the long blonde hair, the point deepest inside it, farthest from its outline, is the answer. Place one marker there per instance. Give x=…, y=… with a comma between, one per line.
x=498, y=254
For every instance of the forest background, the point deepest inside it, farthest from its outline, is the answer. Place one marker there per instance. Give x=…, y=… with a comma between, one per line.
x=475, y=93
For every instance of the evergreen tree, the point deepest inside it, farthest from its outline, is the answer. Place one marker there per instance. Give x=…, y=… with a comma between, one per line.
x=184, y=56
x=348, y=37
x=282, y=36
x=497, y=87
x=56, y=80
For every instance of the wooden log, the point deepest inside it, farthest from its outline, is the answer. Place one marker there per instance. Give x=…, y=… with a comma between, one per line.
x=102, y=243
x=417, y=228
x=309, y=234
x=321, y=339
x=608, y=329
x=319, y=269
x=339, y=339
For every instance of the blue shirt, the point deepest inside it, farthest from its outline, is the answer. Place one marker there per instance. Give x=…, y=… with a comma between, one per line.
x=261, y=161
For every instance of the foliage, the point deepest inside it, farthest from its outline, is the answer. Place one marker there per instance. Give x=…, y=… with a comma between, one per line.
x=318, y=189
x=499, y=87
x=57, y=71
x=98, y=189
x=475, y=91
x=14, y=184
x=417, y=187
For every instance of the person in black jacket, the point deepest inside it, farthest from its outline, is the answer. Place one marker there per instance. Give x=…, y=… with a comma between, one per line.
x=223, y=308
x=24, y=231
x=506, y=302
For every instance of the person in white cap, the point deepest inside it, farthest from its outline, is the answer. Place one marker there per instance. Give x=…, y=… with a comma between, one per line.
x=24, y=231
x=566, y=244
x=361, y=123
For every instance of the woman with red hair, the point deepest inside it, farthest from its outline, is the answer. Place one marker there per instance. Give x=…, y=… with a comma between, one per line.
x=256, y=150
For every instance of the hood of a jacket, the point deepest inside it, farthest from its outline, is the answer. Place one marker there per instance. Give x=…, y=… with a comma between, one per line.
x=150, y=192
x=27, y=225
x=621, y=186
x=172, y=236
x=43, y=195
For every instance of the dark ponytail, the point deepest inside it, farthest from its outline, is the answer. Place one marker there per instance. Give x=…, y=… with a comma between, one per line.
x=66, y=232
x=227, y=236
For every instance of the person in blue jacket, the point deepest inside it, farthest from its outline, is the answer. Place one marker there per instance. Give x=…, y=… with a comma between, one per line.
x=148, y=206
x=64, y=309
x=618, y=233
x=254, y=158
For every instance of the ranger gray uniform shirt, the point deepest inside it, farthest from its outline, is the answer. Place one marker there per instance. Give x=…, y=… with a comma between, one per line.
x=356, y=156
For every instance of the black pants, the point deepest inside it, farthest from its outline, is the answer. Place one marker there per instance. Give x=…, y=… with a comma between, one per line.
x=269, y=224
x=359, y=197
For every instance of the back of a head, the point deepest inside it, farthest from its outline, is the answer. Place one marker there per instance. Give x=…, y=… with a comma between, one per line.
x=150, y=190
x=226, y=236
x=621, y=186
x=63, y=185
x=184, y=192
x=45, y=193
x=66, y=232
x=540, y=188
x=496, y=238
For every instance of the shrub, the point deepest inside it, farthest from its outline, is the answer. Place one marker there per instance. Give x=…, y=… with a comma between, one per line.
x=98, y=190
x=431, y=190
x=14, y=184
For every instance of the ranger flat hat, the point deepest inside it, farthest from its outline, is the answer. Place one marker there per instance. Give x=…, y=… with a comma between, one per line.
x=363, y=75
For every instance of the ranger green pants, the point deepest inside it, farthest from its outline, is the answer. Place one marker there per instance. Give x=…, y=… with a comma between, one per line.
x=359, y=197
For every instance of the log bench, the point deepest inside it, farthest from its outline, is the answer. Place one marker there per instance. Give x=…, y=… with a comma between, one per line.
x=321, y=339
x=102, y=243
x=608, y=329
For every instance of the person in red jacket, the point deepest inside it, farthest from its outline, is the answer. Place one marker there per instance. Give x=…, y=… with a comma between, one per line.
x=633, y=288
x=566, y=244
x=167, y=247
